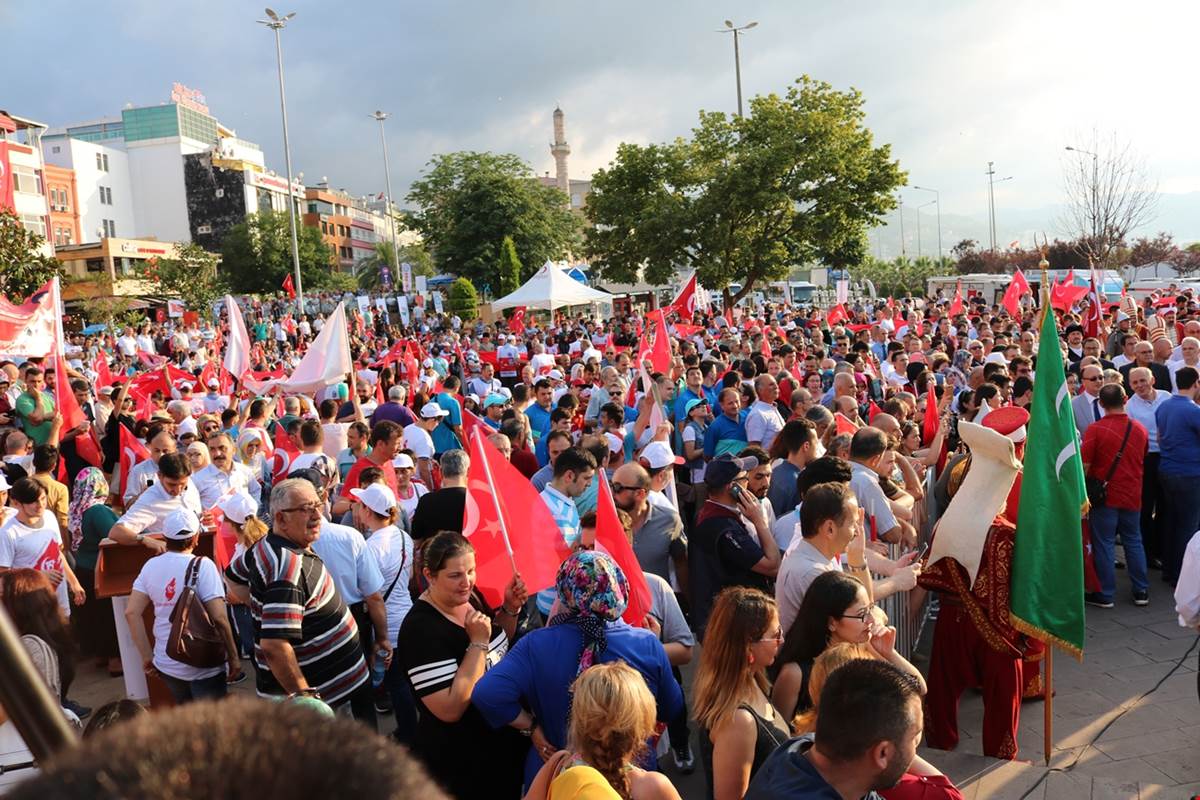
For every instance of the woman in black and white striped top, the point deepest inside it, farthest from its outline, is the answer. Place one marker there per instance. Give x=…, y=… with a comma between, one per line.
x=446, y=642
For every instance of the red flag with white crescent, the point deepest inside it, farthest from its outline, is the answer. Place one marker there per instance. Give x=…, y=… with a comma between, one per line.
x=132, y=453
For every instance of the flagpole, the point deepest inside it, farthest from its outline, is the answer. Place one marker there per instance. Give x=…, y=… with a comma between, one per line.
x=487, y=468
x=1048, y=705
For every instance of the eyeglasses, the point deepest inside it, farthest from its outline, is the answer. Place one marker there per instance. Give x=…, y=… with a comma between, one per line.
x=776, y=637
x=861, y=616
x=307, y=508
x=618, y=488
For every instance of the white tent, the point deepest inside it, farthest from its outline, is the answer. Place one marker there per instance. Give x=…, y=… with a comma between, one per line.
x=549, y=289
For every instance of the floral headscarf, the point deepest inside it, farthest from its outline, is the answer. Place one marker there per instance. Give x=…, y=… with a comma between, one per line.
x=594, y=591
x=90, y=489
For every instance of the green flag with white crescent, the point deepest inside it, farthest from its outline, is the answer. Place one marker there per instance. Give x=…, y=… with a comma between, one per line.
x=1047, y=565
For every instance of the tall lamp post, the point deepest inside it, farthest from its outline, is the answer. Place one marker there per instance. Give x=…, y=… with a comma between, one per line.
x=1095, y=210
x=992, y=181
x=277, y=23
x=930, y=203
x=737, y=30
x=938, y=200
x=900, y=208
x=380, y=116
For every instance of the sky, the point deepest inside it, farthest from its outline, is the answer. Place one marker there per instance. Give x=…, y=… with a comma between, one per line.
x=949, y=84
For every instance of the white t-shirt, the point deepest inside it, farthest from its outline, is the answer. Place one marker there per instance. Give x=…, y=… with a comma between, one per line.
x=162, y=580
x=151, y=509
x=393, y=550
x=140, y=476
x=409, y=504
x=418, y=440
x=689, y=435
x=37, y=548
x=335, y=438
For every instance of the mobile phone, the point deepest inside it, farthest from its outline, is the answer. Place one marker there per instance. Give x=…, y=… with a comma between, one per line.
x=924, y=552
x=736, y=491
x=149, y=482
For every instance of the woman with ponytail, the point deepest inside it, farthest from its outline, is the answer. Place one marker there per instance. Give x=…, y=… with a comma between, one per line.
x=612, y=718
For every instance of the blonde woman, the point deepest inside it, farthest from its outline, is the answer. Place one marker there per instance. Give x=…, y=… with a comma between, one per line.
x=612, y=718
x=921, y=780
x=739, y=727
x=239, y=510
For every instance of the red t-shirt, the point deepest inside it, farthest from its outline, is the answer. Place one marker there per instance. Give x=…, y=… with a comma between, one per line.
x=351, y=482
x=1101, y=442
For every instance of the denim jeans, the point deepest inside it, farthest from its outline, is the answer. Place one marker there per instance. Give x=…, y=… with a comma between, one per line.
x=1106, y=523
x=1181, y=501
x=213, y=688
x=404, y=707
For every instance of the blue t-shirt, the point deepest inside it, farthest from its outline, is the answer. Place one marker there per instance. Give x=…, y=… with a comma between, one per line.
x=539, y=420
x=723, y=429
x=1179, y=437
x=538, y=671
x=444, y=438
x=788, y=773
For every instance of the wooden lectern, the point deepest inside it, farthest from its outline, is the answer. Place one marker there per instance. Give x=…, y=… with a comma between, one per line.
x=116, y=569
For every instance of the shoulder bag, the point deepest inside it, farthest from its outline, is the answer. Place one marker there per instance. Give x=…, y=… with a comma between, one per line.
x=194, y=639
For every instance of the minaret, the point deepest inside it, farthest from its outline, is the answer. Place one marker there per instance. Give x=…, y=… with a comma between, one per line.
x=560, y=150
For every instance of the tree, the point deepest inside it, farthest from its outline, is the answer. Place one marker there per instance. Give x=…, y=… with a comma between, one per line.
x=114, y=311
x=466, y=203
x=256, y=255
x=23, y=267
x=368, y=270
x=192, y=277
x=900, y=277
x=746, y=198
x=508, y=271
x=1146, y=251
x=1109, y=194
x=462, y=299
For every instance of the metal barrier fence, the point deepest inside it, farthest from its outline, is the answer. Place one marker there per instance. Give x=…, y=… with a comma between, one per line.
x=909, y=611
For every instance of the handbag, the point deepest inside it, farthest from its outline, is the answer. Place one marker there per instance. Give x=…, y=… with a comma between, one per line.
x=1097, y=490
x=194, y=639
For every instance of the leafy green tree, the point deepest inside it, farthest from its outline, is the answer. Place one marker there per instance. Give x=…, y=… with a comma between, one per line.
x=462, y=299
x=23, y=268
x=368, y=270
x=466, y=203
x=256, y=255
x=508, y=271
x=192, y=277
x=900, y=277
x=745, y=199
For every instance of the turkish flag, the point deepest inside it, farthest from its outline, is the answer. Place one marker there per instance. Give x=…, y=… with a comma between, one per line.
x=765, y=345
x=611, y=539
x=516, y=323
x=509, y=525
x=289, y=286
x=685, y=302
x=844, y=424
x=931, y=424
x=1066, y=294
x=132, y=453
x=471, y=422
x=660, y=354
x=956, y=305
x=100, y=366
x=873, y=411
x=1093, y=320
x=285, y=451
x=837, y=314
x=86, y=443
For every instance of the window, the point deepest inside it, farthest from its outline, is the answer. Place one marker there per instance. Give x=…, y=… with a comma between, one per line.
x=95, y=265
x=324, y=226
x=203, y=229
x=99, y=163
x=34, y=224
x=109, y=227
x=105, y=157
x=25, y=180
x=66, y=235
x=56, y=149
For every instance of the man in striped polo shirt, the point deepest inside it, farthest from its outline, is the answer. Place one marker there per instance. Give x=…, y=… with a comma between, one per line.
x=306, y=642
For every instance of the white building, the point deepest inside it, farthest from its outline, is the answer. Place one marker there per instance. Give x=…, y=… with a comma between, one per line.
x=102, y=184
x=21, y=160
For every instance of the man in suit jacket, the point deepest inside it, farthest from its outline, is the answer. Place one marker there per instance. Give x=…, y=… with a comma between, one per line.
x=1086, y=404
x=1143, y=356
x=1093, y=348
x=1074, y=335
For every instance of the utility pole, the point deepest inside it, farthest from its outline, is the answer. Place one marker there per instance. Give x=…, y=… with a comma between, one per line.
x=901, y=199
x=737, y=30
x=380, y=116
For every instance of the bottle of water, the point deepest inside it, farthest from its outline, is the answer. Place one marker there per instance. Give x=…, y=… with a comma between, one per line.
x=379, y=668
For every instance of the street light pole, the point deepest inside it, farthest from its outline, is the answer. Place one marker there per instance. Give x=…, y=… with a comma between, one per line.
x=901, y=209
x=930, y=203
x=276, y=23
x=938, y=200
x=992, y=181
x=1095, y=210
x=380, y=116
x=737, y=57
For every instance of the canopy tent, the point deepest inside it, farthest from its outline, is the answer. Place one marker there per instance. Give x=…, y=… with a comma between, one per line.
x=551, y=288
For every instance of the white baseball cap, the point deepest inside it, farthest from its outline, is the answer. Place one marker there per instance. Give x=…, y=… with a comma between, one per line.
x=659, y=455
x=238, y=507
x=181, y=524
x=212, y=383
x=403, y=461
x=378, y=497
x=4, y=487
x=615, y=443
x=433, y=411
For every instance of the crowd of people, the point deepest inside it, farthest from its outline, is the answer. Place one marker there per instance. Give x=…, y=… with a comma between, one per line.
x=775, y=473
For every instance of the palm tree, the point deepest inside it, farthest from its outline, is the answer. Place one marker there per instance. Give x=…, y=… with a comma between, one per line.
x=368, y=270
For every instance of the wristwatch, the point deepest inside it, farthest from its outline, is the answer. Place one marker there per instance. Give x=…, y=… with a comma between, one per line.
x=309, y=692
x=528, y=732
